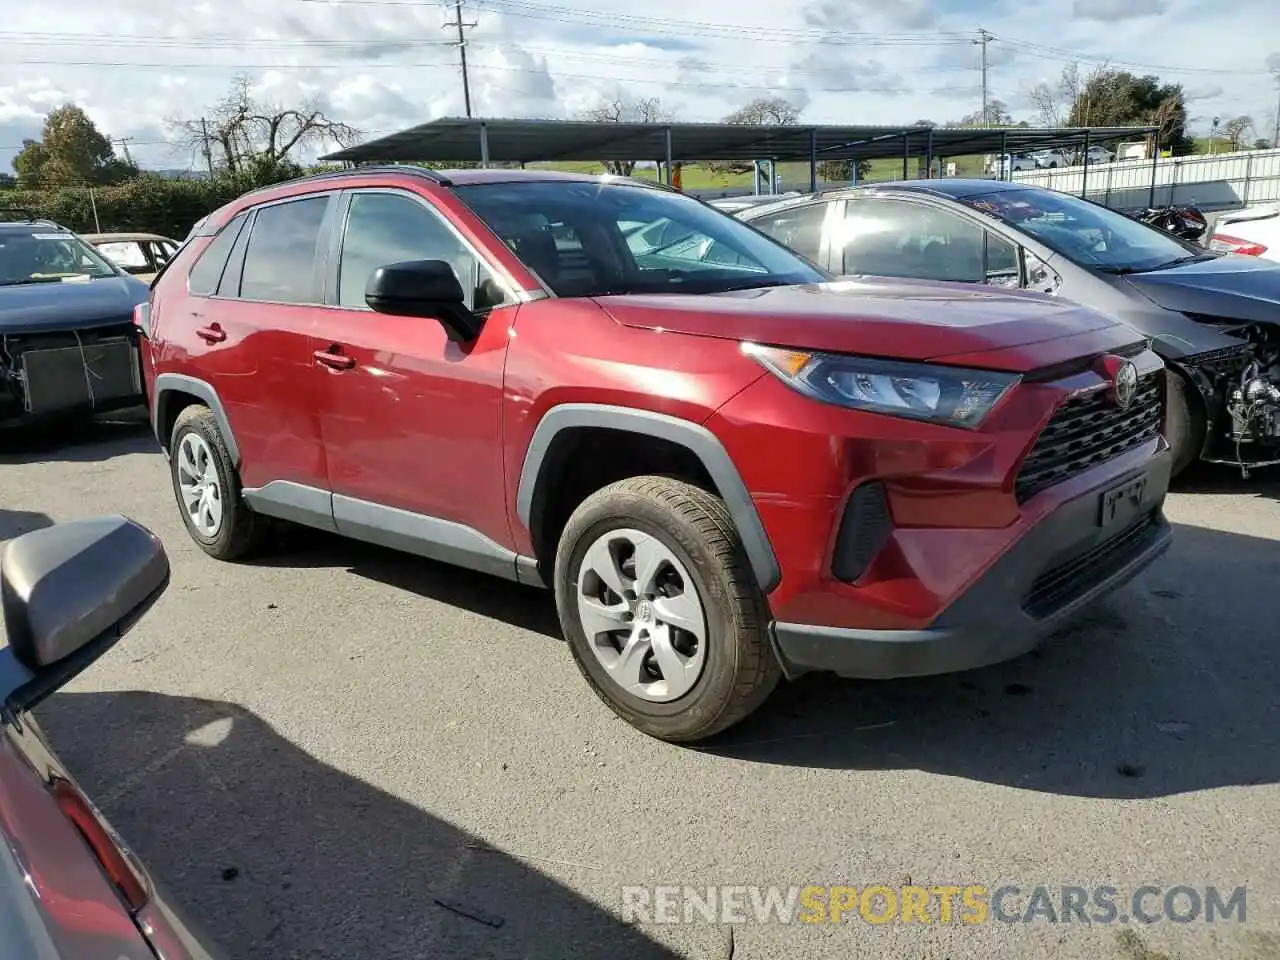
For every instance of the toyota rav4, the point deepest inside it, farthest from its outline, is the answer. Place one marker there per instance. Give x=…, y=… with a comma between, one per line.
x=728, y=467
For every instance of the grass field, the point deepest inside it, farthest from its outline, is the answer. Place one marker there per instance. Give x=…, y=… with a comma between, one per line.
x=696, y=176
x=699, y=177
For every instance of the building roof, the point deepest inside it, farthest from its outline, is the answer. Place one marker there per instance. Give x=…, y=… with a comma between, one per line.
x=454, y=139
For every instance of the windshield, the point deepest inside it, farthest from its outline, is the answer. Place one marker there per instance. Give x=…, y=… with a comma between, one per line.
x=48, y=257
x=587, y=239
x=1085, y=233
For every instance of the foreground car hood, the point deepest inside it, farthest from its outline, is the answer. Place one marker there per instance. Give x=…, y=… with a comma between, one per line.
x=43, y=307
x=1231, y=287
x=905, y=320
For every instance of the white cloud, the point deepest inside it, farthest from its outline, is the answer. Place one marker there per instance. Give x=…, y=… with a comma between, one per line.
x=380, y=65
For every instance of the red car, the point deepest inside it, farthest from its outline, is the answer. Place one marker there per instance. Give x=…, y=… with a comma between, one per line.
x=727, y=467
x=70, y=889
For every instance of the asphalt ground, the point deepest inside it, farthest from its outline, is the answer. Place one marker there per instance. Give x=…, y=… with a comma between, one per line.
x=341, y=752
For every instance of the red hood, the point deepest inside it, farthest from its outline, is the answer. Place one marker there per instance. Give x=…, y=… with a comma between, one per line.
x=907, y=320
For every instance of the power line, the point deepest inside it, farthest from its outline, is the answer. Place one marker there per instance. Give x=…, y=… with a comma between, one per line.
x=767, y=34
x=651, y=80
x=842, y=38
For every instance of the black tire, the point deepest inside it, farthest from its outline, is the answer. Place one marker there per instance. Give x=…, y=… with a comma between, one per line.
x=740, y=669
x=241, y=531
x=1185, y=424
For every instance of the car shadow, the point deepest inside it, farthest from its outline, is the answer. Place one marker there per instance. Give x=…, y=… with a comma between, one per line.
x=1217, y=478
x=276, y=854
x=528, y=608
x=14, y=523
x=1172, y=685
x=81, y=441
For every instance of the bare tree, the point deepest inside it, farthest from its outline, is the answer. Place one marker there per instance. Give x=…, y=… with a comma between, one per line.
x=763, y=111
x=1236, y=130
x=1055, y=102
x=246, y=135
x=624, y=109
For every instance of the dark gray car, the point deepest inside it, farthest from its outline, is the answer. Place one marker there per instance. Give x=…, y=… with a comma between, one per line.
x=1214, y=318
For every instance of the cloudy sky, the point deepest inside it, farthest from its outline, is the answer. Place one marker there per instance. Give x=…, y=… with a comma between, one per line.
x=380, y=65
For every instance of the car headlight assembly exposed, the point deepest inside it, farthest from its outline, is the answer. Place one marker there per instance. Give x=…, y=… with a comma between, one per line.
x=951, y=396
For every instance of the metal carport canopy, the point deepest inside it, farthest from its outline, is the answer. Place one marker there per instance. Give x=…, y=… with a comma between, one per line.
x=507, y=141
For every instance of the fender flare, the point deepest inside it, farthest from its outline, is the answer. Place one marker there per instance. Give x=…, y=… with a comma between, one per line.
x=695, y=438
x=170, y=383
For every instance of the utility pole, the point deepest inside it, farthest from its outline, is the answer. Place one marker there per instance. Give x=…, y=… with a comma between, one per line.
x=204, y=142
x=1275, y=134
x=124, y=148
x=462, y=51
x=984, y=37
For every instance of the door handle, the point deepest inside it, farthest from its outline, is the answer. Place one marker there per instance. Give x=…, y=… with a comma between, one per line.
x=212, y=333
x=334, y=360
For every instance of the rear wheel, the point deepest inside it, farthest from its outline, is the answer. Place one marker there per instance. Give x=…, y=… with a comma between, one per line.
x=1185, y=423
x=661, y=611
x=207, y=488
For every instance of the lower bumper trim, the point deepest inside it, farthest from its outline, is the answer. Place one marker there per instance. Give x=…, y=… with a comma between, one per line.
x=1024, y=598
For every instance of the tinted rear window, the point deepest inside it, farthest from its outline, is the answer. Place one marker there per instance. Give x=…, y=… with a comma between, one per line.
x=279, y=264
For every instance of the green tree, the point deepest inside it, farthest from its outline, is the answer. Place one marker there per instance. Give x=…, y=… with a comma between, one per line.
x=1117, y=98
x=841, y=171
x=71, y=150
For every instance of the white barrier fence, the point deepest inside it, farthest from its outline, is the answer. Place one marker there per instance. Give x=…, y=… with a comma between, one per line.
x=1224, y=181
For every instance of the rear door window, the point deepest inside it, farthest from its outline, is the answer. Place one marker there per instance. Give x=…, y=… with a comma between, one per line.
x=892, y=238
x=279, y=263
x=207, y=270
x=128, y=254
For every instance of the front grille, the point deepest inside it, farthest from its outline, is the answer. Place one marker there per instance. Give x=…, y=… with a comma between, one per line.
x=1055, y=588
x=1225, y=361
x=1088, y=430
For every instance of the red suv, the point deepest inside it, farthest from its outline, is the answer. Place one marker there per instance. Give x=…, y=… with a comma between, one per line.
x=728, y=467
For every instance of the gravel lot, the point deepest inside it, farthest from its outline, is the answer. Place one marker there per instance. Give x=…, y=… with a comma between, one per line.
x=330, y=753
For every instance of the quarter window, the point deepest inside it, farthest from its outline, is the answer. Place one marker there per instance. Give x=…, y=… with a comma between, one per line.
x=279, y=263
x=207, y=270
x=384, y=228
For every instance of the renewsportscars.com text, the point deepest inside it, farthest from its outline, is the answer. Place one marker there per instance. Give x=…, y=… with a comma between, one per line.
x=942, y=904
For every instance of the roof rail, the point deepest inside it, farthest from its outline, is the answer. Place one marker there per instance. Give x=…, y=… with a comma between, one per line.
x=412, y=171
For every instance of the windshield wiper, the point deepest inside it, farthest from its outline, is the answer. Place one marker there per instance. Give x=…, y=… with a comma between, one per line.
x=757, y=285
x=1177, y=261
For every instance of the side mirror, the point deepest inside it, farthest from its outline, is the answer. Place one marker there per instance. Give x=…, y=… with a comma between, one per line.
x=423, y=288
x=68, y=593
x=1041, y=277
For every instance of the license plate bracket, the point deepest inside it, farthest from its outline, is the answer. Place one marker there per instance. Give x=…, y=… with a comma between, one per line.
x=1121, y=505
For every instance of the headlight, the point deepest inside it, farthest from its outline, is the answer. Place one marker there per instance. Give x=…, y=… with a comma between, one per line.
x=953, y=396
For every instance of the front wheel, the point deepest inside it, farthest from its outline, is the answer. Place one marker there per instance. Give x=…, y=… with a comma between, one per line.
x=1185, y=423
x=661, y=610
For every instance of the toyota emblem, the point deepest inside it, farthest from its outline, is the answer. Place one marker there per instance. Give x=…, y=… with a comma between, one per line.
x=1125, y=385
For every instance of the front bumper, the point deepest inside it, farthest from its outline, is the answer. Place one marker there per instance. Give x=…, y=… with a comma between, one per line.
x=1060, y=566
x=47, y=375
